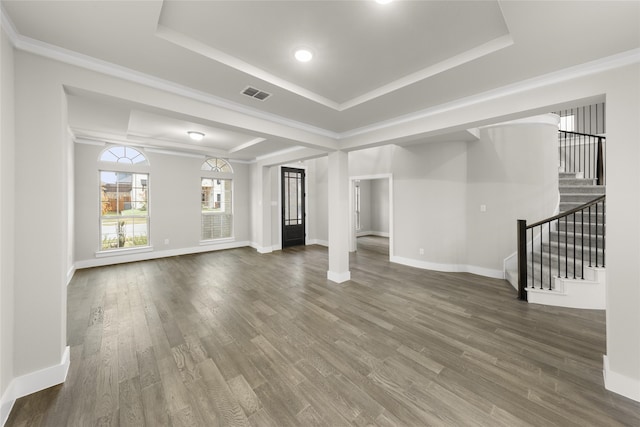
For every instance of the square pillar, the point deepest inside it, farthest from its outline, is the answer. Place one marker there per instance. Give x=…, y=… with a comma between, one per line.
x=338, y=215
x=265, y=244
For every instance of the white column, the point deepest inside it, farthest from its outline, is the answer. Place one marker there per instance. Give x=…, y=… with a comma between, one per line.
x=40, y=295
x=265, y=244
x=622, y=362
x=338, y=206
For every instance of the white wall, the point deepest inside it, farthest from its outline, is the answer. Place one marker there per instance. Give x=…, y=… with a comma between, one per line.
x=70, y=226
x=41, y=216
x=374, y=207
x=274, y=200
x=7, y=220
x=429, y=198
x=174, y=202
x=513, y=172
x=317, y=182
x=429, y=202
x=623, y=232
x=365, y=207
x=255, y=194
x=439, y=187
x=380, y=206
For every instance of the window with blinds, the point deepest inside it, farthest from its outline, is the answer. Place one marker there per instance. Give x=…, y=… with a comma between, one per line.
x=216, y=200
x=124, y=195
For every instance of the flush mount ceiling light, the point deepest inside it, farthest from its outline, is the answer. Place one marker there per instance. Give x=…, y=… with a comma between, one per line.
x=383, y=1
x=196, y=136
x=303, y=55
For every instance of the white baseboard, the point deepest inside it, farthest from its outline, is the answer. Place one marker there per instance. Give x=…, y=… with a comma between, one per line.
x=618, y=383
x=373, y=233
x=6, y=405
x=318, y=242
x=268, y=249
x=34, y=382
x=144, y=256
x=70, y=273
x=482, y=271
x=261, y=249
x=449, y=268
x=339, y=277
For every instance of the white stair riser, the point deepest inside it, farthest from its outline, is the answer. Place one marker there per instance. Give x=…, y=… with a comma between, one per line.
x=551, y=280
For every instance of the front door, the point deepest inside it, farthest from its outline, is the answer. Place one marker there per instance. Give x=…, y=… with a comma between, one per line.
x=293, y=214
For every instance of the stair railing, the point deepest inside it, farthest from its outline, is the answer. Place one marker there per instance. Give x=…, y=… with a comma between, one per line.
x=536, y=241
x=583, y=153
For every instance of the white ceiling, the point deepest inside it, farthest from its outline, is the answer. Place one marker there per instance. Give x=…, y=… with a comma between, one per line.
x=359, y=47
x=374, y=63
x=103, y=118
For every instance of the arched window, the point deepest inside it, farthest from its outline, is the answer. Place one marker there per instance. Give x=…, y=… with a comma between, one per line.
x=216, y=165
x=121, y=154
x=216, y=200
x=124, y=195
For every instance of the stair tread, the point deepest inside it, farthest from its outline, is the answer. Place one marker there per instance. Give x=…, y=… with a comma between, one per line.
x=577, y=181
x=582, y=194
x=569, y=237
x=562, y=245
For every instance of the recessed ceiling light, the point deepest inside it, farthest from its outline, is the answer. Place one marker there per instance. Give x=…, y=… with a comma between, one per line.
x=196, y=136
x=383, y=1
x=303, y=55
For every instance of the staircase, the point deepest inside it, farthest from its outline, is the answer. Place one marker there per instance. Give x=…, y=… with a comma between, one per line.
x=565, y=267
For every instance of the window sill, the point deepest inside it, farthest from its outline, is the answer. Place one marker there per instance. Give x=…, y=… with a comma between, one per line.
x=126, y=251
x=217, y=241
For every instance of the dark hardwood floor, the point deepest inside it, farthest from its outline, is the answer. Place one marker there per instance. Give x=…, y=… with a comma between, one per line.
x=375, y=244
x=242, y=339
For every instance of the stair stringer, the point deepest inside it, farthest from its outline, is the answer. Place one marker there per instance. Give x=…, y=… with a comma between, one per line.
x=589, y=293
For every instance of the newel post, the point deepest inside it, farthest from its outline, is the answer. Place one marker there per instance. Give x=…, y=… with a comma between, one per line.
x=522, y=259
x=600, y=163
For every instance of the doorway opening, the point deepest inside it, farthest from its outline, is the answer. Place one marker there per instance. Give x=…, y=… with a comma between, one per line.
x=293, y=206
x=371, y=203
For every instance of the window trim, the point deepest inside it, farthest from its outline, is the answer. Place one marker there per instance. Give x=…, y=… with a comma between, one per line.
x=123, y=251
x=115, y=251
x=231, y=238
x=213, y=170
x=109, y=147
x=213, y=174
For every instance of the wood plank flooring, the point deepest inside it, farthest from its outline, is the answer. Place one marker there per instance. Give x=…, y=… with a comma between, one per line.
x=235, y=338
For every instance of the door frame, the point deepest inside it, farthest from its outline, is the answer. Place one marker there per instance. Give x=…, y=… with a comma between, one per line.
x=306, y=201
x=352, y=209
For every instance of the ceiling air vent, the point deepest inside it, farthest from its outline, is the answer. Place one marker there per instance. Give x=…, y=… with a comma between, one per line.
x=255, y=93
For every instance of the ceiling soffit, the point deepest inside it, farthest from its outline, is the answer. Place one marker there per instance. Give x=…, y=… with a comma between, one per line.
x=362, y=51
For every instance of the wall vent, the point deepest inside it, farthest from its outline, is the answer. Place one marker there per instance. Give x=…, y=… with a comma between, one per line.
x=255, y=93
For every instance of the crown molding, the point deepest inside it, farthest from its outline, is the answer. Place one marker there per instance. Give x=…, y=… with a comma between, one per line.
x=242, y=162
x=279, y=153
x=200, y=48
x=440, y=67
x=550, y=119
x=87, y=141
x=7, y=25
x=36, y=47
x=175, y=153
x=246, y=145
x=589, y=68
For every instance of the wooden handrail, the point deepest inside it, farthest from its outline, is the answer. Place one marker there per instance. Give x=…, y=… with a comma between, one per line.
x=567, y=213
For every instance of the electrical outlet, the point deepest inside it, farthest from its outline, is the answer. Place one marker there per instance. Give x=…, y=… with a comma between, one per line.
x=166, y=241
x=421, y=251
x=483, y=208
